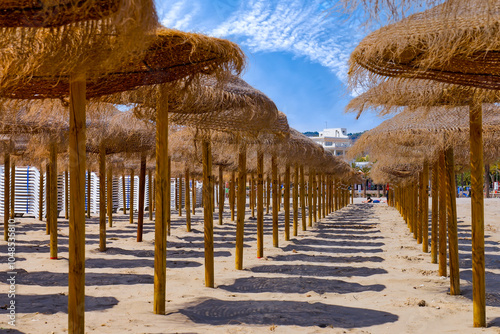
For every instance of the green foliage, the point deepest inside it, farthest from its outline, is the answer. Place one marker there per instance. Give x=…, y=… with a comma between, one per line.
x=355, y=136
x=311, y=133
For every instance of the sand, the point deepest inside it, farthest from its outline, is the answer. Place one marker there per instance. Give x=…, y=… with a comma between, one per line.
x=357, y=271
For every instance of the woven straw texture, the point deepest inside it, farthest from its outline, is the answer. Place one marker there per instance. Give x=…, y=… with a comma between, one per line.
x=458, y=49
x=169, y=56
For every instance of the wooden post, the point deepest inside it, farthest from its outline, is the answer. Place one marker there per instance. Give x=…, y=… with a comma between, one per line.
x=110, y=195
x=48, y=181
x=314, y=197
x=274, y=168
x=452, y=223
x=180, y=196
x=442, y=216
x=77, y=165
x=260, y=204
x=66, y=194
x=162, y=202
x=268, y=193
x=102, y=198
x=295, y=200
x=435, y=206
x=303, y=197
x=317, y=189
x=240, y=219
x=142, y=194
x=286, y=202
x=167, y=212
x=194, y=196
x=53, y=201
x=40, y=195
x=187, y=198
x=221, y=195
x=420, y=208
x=425, y=208
x=89, y=179
x=6, y=197
x=12, y=189
x=323, y=191
x=150, y=195
x=309, y=197
x=208, y=212
x=124, y=192
x=252, y=195
x=232, y=193
x=131, y=196
x=279, y=193
x=477, y=209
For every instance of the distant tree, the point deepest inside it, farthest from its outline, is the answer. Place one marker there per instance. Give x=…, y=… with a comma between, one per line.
x=311, y=133
x=354, y=136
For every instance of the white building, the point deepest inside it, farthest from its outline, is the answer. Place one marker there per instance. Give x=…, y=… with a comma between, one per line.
x=334, y=140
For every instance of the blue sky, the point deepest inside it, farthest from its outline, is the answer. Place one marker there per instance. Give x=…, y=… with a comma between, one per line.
x=297, y=54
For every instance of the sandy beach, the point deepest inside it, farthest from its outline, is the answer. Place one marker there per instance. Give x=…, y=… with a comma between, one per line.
x=359, y=270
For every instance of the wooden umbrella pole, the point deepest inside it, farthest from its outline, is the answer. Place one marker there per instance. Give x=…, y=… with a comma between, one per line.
x=187, y=200
x=420, y=207
x=194, y=195
x=302, y=197
x=89, y=193
x=110, y=195
x=314, y=196
x=208, y=212
x=102, y=198
x=180, y=196
x=268, y=193
x=252, y=198
x=124, y=193
x=286, y=202
x=150, y=195
x=142, y=194
x=131, y=196
x=221, y=195
x=77, y=165
x=317, y=188
x=240, y=219
x=279, y=193
x=260, y=204
x=53, y=201
x=274, y=168
x=40, y=196
x=477, y=211
x=452, y=223
x=415, y=222
x=324, y=191
x=48, y=212
x=425, y=208
x=352, y=193
x=162, y=202
x=167, y=210
x=336, y=195
x=232, y=193
x=309, y=198
x=66, y=194
x=295, y=200
x=435, y=205
x=12, y=189
x=6, y=197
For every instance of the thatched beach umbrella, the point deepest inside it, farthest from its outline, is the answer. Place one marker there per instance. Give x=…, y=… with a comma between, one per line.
x=170, y=56
x=454, y=49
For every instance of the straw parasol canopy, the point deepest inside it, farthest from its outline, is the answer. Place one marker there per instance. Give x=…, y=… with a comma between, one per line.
x=170, y=55
x=231, y=106
x=457, y=49
x=56, y=13
x=418, y=133
x=53, y=38
x=389, y=96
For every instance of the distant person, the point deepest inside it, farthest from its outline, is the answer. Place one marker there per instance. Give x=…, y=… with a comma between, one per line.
x=368, y=199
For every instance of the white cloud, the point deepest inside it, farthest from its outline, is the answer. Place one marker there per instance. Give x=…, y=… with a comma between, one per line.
x=297, y=26
x=179, y=14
